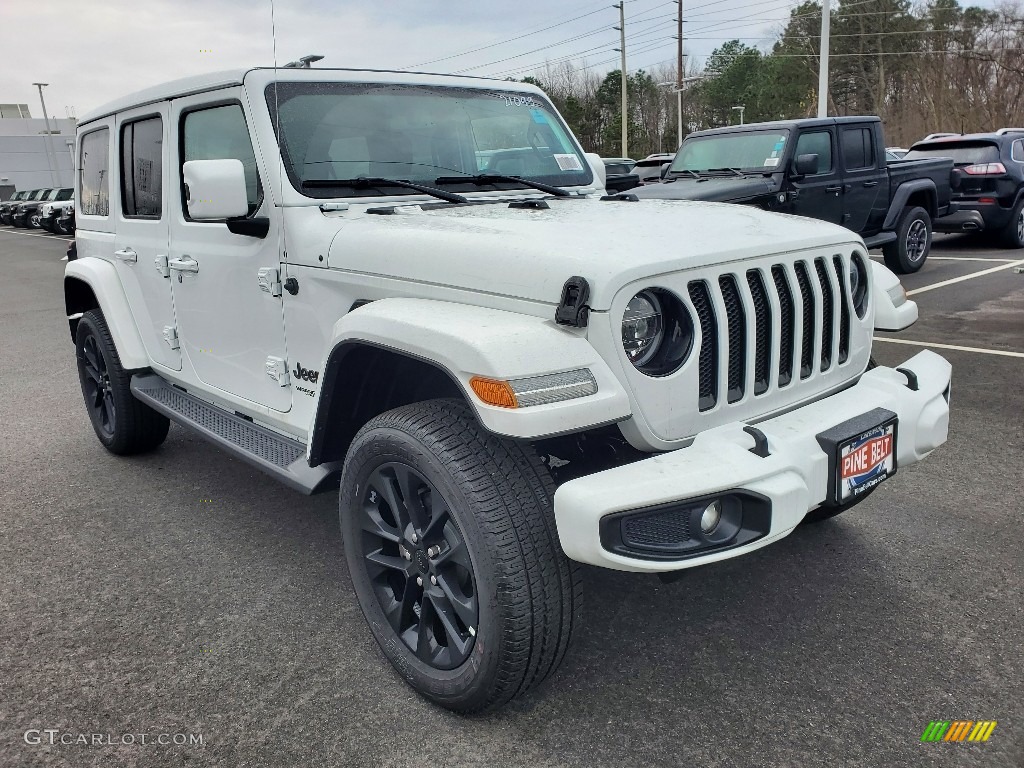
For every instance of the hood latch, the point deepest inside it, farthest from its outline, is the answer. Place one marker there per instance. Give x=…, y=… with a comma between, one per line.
x=572, y=309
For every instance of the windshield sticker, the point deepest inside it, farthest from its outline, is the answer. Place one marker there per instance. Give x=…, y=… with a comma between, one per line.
x=779, y=144
x=568, y=162
x=771, y=162
x=517, y=100
x=775, y=153
x=538, y=116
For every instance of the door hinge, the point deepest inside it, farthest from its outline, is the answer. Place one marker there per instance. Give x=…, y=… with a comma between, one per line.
x=171, y=336
x=277, y=369
x=161, y=265
x=269, y=280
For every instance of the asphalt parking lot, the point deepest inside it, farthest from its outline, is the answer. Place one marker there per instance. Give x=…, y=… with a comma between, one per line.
x=185, y=593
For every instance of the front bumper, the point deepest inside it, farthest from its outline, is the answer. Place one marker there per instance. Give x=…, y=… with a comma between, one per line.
x=793, y=478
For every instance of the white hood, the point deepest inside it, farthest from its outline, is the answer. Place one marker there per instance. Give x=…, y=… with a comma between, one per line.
x=529, y=254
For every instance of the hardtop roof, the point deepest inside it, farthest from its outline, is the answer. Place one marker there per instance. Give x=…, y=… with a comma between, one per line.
x=808, y=122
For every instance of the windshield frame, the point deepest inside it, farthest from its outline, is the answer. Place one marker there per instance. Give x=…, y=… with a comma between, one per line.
x=764, y=169
x=276, y=90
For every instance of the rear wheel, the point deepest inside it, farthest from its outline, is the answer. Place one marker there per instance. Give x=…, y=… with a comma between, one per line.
x=1012, y=235
x=123, y=424
x=913, y=242
x=450, y=541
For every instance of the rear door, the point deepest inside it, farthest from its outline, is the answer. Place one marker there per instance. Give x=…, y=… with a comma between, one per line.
x=862, y=177
x=139, y=193
x=818, y=195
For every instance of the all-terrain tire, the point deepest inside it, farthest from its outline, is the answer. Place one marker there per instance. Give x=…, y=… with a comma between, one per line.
x=123, y=424
x=913, y=242
x=497, y=501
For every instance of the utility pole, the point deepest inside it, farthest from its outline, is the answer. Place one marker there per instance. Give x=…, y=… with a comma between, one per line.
x=625, y=109
x=826, y=13
x=49, y=136
x=679, y=76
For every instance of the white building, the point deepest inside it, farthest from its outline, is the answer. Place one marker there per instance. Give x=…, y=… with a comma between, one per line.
x=27, y=159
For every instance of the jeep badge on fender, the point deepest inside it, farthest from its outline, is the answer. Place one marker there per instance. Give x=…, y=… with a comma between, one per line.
x=486, y=436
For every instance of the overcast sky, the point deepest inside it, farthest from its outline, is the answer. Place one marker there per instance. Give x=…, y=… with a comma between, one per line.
x=92, y=51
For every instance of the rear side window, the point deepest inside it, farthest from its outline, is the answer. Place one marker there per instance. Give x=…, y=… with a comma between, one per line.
x=220, y=133
x=142, y=168
x=817, y=143
x=93, y=185
x=962, y=152
x=1017, y=151
x=857, y=151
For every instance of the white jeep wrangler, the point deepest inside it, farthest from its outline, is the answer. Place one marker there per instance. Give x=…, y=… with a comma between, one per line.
x=414, y=285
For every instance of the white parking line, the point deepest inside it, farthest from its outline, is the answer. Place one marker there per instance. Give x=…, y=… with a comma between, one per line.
x=1001, y=352
x=32, y=234
x=971, y=276
x=964, y=258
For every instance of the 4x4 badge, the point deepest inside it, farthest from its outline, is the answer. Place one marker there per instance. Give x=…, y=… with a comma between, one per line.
x=305, y=374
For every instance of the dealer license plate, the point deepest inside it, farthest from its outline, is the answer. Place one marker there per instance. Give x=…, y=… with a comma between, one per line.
x=865, y=461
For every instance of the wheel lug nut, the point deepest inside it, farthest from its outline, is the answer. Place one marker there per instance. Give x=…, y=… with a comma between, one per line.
x=405, y=553
x=433, y=579
x=434, y=551
x=419, y=581
x=415, y=538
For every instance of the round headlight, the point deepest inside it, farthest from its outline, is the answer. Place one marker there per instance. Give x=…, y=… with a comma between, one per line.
x=642, y=329
x=657, y=332
x=859, y=284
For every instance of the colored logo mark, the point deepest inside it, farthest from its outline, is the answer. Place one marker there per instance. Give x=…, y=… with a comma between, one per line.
x=958, y=730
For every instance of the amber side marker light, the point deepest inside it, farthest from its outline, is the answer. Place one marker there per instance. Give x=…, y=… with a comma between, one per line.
x=494, y=392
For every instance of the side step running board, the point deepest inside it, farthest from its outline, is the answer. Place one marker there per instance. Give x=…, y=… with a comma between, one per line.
x=275, y=454
x=882, y=238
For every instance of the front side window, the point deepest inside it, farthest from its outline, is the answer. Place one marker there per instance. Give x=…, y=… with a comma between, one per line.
x=93, y=194
x=424, y=134
x=220, y=133
x=817, y=143
x=142, y=168
x=740, y=150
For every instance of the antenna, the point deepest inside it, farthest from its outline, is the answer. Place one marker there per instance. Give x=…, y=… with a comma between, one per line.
x=306, y=62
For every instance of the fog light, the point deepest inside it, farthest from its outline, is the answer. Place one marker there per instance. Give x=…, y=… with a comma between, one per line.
x=711, y=516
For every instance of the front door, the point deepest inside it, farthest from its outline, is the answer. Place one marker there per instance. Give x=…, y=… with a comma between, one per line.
x=229, y=326
x=139, y=197
x=819, y=195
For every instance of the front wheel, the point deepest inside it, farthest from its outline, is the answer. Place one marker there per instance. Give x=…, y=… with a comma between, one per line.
x=450, y=541
x=913, y=242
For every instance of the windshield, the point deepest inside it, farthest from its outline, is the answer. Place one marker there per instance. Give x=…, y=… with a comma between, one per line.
x=342, y=131
x=747, y=151
x=963, y=153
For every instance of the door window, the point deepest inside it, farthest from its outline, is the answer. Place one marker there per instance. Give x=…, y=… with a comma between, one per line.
x=93, y=191
x=142, y=168
x=857, y=149
x=1017, y=151
x=817, y=143
x=220, y=133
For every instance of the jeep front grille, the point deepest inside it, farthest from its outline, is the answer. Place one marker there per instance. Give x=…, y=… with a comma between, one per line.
x=742, y=337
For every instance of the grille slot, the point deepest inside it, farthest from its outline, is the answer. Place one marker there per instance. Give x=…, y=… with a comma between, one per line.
x=708, y=362
x=827, y=309
x=788, y=321
x=807, y=337
x=762, y=331
x=844, y=310
x=737, y=320
x=664, y=529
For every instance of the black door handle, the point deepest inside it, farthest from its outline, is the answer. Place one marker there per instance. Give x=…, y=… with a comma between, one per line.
x=870, y=183
x=837, y=189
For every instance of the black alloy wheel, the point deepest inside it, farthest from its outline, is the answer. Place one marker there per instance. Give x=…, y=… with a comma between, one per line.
x=99, y=397
x=418, y=563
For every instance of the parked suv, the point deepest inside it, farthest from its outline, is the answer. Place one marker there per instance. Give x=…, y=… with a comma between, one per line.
x=988, y=183
x=415, y=286
x=27, y=213
x=7, y=207
x=50, y=214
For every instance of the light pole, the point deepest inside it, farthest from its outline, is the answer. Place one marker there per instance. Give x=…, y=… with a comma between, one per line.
x=49, y=136
x=740, y=110
x=625, y=107
x=826, y=15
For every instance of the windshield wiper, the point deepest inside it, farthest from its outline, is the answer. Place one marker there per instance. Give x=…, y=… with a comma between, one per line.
x=693, y=174
x=367, y=182
x=493, y=178
x=737, y=171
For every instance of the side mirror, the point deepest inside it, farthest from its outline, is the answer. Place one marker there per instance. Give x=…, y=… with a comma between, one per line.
x=597, y=166
x=215, y=189
x=806, y=165
x=664, y=169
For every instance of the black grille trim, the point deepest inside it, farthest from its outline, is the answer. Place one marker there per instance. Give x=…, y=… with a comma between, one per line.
x=708, y=359
x=762, y=331
x=737, y=319
x=827, y=310
x=787, y=319
x=807, y=337
x=845, y=300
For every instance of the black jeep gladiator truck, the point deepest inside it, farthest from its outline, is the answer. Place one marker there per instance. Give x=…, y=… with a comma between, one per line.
x=831, y=168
